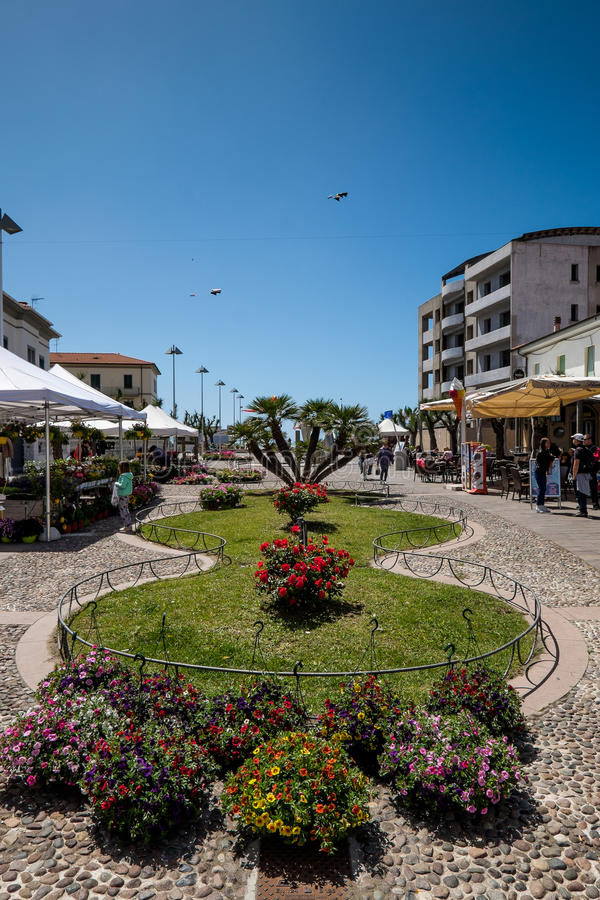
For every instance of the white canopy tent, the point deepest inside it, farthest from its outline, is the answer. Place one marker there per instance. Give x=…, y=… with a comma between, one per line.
x=388, y=427
x=28, y=392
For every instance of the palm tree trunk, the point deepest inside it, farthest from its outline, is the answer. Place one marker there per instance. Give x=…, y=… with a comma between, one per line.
x=332, y=465
x=312, y=446
x=282, y=446
x=270, y=462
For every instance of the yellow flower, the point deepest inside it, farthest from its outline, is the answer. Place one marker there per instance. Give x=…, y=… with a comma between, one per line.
x=303, y=799
x=275, y=770
x=252, y=781
x=295, y=830
x=286, y=831
x=278, y=823
x=257, y=751
x=256, y=804
x=270, y=798
x=271, y=826
x=361, y=715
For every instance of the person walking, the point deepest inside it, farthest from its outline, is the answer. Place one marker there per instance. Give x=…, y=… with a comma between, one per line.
x=125, y=487
x=582, y=466
x=589, y=445
x=384, y=458
x=543, y=465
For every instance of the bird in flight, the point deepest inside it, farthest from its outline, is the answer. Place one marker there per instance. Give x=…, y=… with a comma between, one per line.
x=215, y=291
x=192, y=295
x=338, y=196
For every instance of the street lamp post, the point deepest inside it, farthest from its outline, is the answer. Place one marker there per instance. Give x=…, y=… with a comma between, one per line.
x=173, y=351
x=202, y=371
x=10, y=227
x=233, y=391
x=220, y=384
x=240, y=398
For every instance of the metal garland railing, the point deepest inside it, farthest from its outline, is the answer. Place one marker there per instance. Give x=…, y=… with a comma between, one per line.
x=98, y=588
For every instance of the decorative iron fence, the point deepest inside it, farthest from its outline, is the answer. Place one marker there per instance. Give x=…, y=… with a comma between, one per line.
x=522, y=648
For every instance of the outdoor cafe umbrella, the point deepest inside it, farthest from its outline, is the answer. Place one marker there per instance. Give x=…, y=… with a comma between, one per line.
x=538, y=395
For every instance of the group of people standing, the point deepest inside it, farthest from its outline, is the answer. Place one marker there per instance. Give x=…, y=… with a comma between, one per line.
x=383, y=460
x=583, y=465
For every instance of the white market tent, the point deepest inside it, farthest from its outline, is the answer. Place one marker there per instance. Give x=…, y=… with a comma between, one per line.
x=28, y=392
x=160, y=423
x=388, y=427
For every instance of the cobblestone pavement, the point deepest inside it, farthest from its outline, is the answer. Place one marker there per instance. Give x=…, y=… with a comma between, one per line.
x=544, y=844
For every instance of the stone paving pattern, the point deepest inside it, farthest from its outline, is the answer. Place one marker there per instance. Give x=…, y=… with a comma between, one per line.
x=545, y=844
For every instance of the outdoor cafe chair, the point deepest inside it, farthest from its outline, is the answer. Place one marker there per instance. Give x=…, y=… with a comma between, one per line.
x=505, y=481
x=520, y=483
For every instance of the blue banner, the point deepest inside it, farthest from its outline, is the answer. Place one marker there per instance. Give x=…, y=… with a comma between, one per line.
x=388, y=414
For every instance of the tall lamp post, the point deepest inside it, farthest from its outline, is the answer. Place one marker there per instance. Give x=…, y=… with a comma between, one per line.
x=220, y=383
x=202, y=371
x=173, y=351
x=234, y=391
x=10, y=227
x=240, y=398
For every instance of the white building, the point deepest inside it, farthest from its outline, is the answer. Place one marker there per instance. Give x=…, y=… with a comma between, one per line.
x=494, y=302
x=26, y=333
x=574, y=350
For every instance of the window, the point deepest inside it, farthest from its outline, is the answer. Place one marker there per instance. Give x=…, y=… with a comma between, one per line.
x=504, y=279
x=459, y=340
x=42, y=362
x=95, y=381
x=470, y=295
x=437, y=346
x=469, y=367
x=536, y=369
x=469, y=332
x=31, y=354
x=460, y=372
x=128, y=381
x=505, y=358
x=590, y=359
x=426, y=380
x=505, y=318
x=486, y=363
x=574, y=312
x=574, y=272
x=486, y=326
x=460, y=307
x=437, y=315
x=427, y=322
x=597, y=274
x=437, y=376
x=487, y=288
x=560, y=365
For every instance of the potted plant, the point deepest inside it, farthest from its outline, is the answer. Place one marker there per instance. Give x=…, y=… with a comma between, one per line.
x=8, y=530
x=138, y=432
x=30, y=530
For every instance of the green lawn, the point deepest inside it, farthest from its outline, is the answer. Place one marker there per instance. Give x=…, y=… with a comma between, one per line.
x=209, y=618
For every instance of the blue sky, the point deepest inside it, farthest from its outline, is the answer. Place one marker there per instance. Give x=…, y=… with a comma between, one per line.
x=151, y=151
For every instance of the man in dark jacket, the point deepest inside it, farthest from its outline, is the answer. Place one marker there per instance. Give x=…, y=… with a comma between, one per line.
x=384, y=458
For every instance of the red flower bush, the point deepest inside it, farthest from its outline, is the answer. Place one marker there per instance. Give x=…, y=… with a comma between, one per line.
x=299, y=499
x=296, y=575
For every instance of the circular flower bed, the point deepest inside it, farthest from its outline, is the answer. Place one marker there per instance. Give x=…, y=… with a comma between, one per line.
x=300, y=787
x=299, y=499
x=296, y=575
x=237, y=476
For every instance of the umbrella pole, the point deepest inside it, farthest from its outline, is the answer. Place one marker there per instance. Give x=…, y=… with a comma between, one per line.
x=120, y=437
x=145, y=459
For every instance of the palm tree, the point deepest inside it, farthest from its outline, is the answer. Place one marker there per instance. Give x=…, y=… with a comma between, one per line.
x=265, y=439
x=313, y=414
x=352, y=428
x=430, y=420
x=408, y=418
x=274, y=410
x=451, y=422
x=258, y=439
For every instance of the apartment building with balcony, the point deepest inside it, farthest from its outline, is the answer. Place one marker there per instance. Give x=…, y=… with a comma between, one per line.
x=499, y=300
x=131, y=381
x=26, y=333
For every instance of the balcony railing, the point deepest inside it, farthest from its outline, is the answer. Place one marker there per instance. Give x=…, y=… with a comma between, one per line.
x=498, y=336
x=488, y=301
x=427, y=365
x=456, y=320
x=494, y=376
x=453, y=287
x=451, y=353
x=427, y=336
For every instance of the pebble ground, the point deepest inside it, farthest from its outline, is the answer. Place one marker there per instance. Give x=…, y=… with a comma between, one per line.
x=545, y=843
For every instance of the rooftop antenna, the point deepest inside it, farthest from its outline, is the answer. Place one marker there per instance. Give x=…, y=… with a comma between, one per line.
x=34, y=300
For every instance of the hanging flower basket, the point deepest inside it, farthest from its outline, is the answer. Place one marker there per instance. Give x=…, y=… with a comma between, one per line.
x=80, y=431
x=138, y=432
x=10, y=429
